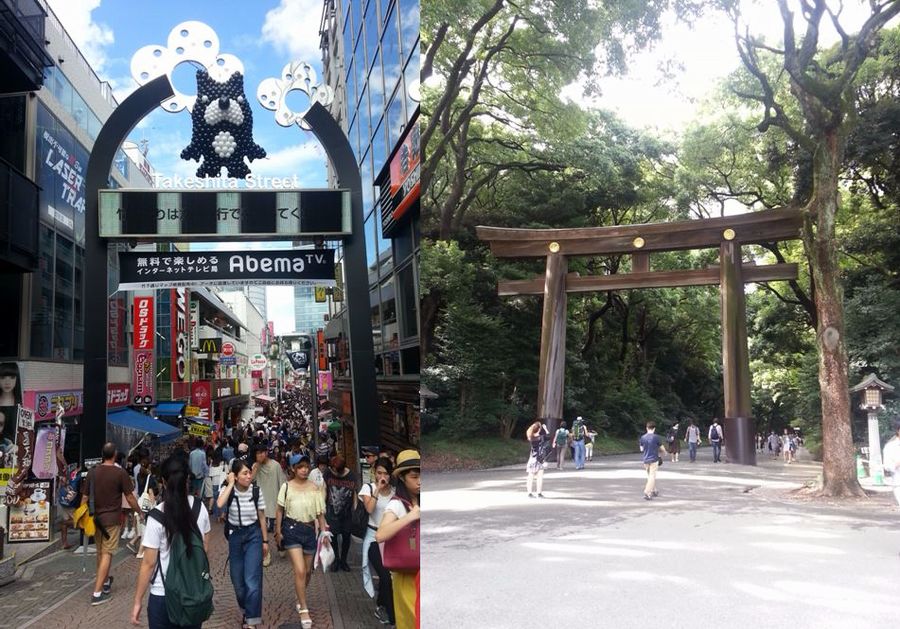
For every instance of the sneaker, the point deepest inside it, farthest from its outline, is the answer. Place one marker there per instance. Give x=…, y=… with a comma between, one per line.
x=140, y=555
x=107, y=585
x=382, y=615
x=655, y=493
x=103, y=598
x=647, y=497
x=540, y=495
x=530, y=495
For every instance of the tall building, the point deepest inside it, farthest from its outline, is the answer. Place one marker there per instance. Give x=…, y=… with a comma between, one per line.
x=52, y=107
x=309, y=315
x=371, y=59
x=257, y=296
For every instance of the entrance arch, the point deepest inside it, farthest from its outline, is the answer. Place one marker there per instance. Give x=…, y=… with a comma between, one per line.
x=728, y=234
x=116, y=129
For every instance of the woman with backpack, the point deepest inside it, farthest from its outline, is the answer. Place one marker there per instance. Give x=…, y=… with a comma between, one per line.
x=301, y=507
x=401, y=521
x=376, y=497
x=248, y=540
x=174, y=532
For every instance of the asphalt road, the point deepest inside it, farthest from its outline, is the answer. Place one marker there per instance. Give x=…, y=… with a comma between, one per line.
x=722, y=546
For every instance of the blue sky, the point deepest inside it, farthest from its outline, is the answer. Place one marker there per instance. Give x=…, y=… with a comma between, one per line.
x=264, y=34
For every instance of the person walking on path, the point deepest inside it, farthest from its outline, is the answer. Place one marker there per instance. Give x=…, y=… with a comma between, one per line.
x=651, y=445
x=148, y=492
x=199, y=467
x=270, y=477
x=103, y=491
x=715, y=439
x=773, y=445
x=787, y=453
x=181, y=517
x=218, y=471
x=376, y=497
x=692, y=436
x=536, y=435
x=300, y=508
x=340, y=498
x=561, y=444
x=672, y=443
x=578, y=434
x=589, y=436
x=248, y=541
x=891, y=459
x=401, y=512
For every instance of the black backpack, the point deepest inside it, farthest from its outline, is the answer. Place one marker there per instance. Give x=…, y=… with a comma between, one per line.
x=228, y=525
x=714, y=434
x=359, y=518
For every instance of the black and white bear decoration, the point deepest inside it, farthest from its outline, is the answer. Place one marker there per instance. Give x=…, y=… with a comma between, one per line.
x=222, y=134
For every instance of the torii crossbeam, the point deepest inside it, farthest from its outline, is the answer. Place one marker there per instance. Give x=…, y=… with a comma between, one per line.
x=727, y=233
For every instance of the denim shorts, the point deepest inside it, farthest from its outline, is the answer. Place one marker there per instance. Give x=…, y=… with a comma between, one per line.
x=296, y=534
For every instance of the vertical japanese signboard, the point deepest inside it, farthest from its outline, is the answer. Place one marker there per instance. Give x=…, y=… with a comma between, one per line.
x=179, y=334
x=201, y=397
x=143, y=378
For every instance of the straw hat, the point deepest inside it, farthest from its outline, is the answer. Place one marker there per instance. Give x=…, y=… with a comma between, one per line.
x=407, y=460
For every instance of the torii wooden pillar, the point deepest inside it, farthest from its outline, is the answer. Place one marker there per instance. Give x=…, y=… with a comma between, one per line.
x=728, y=234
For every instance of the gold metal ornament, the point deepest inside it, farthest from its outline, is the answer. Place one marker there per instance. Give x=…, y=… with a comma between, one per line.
x=638, y=243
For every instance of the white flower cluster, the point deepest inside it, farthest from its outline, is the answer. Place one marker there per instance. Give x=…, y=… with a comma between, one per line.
x=224, y=144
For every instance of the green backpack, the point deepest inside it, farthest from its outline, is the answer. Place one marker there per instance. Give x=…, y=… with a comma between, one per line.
x=187, y=581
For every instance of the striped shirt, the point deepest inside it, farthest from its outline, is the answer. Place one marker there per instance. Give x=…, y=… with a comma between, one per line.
x=242, y=511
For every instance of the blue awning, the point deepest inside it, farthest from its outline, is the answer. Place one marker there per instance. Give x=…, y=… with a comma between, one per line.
x=128, y=418
x=169, y=409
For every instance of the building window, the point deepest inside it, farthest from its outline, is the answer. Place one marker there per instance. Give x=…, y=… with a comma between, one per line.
x=63, y=309
x=371, y=31
x=412, y=79
x=42, y=304
x=371, y=250
x=376, y=87
x=391, y=338
x=396, y=120
x=376, y=319
x=390, y=53
x=78, y=353
x=409, y=24
x=411, y=358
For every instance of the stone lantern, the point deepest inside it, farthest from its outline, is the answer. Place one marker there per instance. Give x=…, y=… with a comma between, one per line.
x=872, y=389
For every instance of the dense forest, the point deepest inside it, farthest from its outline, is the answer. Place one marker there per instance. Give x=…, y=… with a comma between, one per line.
x=800, y=124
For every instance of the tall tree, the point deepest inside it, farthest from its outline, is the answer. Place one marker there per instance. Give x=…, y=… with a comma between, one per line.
x=822, y=88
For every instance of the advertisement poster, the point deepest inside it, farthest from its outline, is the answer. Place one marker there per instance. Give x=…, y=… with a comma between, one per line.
x=29, y=520
x=201, y=397
x=10, y=398
x=46, y=404
x=61, y=167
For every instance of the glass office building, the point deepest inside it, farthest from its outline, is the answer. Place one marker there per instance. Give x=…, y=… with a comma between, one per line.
x=371, y=55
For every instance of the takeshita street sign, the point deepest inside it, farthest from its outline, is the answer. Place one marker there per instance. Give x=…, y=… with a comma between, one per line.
x=196, y=215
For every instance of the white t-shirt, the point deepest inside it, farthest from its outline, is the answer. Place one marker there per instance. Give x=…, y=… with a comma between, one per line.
x=316, y=477
x=380, y=504
x=217, y=474
x=155, y=537
x=396, y=507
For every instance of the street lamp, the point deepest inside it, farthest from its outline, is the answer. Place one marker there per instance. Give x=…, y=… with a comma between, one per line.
x=871, y=388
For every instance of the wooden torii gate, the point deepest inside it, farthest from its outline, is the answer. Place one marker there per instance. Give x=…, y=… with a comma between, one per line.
x=727, y=233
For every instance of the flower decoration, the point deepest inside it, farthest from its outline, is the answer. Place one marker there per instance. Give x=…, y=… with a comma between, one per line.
x=297, y=75
x=189, y=41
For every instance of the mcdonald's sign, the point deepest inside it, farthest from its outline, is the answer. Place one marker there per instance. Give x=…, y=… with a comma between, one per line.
x=211, y=345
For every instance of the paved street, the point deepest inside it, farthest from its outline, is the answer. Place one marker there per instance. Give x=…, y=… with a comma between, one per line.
x=722, y=546
x=54, y=594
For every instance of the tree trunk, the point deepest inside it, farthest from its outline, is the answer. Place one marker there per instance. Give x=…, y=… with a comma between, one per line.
x=839, y=462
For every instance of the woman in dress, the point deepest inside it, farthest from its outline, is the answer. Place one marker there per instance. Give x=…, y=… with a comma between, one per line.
x=536, y=435
x=340, y=498
x=375, y=497
x=301, y=509
x=178, y=519
x=403, y=511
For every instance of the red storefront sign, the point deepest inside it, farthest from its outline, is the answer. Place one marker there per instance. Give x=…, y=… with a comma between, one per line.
x=201, y=397
x=144, y=332
x=45, y=403
x=179, y=303
x=117, y=394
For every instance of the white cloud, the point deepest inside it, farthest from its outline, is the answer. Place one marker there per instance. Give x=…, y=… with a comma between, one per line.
x=280, y=307
x=92, y=38
x=306, y=160
x=293, y=28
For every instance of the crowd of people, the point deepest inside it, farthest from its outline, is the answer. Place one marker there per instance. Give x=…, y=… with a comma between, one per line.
x=272, y=492
x=578, y=443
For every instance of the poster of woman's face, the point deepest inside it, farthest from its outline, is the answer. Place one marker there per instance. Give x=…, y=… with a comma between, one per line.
x=10, y=396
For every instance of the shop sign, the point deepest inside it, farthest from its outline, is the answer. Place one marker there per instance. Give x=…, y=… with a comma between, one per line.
x=143, y=378
x=211, y=345
x=46, y=443
x=321, y=293
x=227, y=349
x=29, y=519
x=195, y=324
x=257, y=362
x=299, y=359
x=47, y=403
x=198, y=430
x=223, y=392
x=144, y=317
x=5, y=474
x=179, y=302
x=323, y=356
x=201, y=397
x=326, y=381
x=141, y=270
x=191, y=411
x=228, y=361
x=117, y=394
x=399, y=181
